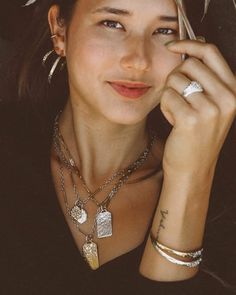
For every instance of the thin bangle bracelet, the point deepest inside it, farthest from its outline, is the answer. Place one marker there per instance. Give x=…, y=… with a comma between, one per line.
x=191, y=254
x=191, y=264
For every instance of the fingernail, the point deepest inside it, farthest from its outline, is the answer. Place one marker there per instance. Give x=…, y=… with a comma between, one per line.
x=170, y=43
x=201, y=39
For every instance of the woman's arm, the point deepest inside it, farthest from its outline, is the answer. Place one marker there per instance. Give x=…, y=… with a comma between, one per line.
x=200, y=125
x=179, y=223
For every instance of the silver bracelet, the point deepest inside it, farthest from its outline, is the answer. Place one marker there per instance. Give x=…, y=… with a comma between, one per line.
x=171, y=259
x=178, y=262
x=191, y=254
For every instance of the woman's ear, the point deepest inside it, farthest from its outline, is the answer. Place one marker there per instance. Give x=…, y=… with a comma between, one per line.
x=58, y=30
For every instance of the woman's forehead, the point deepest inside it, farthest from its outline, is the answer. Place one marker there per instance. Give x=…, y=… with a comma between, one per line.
x=166, y=7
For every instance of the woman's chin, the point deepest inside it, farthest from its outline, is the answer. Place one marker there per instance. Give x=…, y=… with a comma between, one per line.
x=126, y=118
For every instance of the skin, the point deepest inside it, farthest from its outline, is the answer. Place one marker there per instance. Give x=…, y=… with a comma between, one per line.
x=96, y=118
x=99, y=112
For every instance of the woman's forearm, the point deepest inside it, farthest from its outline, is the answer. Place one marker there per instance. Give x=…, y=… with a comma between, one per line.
x=179, y=223
x=200, y=126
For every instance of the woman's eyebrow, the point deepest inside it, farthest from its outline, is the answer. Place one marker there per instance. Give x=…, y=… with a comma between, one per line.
x=112, y=10
x=168, y=18
x=125, y=12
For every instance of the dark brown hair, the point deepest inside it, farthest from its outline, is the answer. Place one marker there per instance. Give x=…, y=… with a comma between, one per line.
x=32, y=76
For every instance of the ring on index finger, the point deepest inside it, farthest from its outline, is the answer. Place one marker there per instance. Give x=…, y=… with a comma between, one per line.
x=193, y=87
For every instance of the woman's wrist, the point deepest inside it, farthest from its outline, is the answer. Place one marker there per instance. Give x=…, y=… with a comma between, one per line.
x=179, y=224
x=192, y=184
x=197, y=173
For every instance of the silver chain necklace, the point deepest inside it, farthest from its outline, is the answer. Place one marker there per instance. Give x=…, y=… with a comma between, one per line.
x=102, y=224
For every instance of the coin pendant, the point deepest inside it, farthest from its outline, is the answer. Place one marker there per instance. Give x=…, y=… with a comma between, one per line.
x=104, y=224
x=90, y=252
x=79, y=214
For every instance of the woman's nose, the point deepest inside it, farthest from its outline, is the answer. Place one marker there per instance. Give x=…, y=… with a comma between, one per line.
x=137, y=56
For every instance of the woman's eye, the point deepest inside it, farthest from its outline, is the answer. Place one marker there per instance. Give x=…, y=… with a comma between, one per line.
x=112, y=24
x=166, y=31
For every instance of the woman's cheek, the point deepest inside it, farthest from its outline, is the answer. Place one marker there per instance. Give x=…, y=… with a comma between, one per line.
x=98, y=48
x=168, y=62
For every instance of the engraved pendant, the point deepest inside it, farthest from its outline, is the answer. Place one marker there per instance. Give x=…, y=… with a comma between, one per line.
x=104, y=223
x=90, y=252
x=78, y=213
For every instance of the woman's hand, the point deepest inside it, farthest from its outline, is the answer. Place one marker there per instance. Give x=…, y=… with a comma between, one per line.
x=202, y=120
x=200, y=125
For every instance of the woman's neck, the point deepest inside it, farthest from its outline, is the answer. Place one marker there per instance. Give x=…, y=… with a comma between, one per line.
x=99, y=147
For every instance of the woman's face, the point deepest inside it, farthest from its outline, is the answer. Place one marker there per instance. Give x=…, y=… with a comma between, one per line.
x=116, y=57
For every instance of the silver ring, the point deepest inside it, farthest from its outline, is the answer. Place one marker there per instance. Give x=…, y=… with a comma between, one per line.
x=193, y=87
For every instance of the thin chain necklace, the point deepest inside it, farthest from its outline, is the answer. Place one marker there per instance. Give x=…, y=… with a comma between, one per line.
x=66, y=158
x=68, y=161
x=103, y=220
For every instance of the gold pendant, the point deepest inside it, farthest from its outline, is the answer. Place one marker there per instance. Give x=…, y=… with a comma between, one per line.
x=90, y=252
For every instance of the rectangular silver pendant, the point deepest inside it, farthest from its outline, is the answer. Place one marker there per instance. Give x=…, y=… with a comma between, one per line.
x=104, y=224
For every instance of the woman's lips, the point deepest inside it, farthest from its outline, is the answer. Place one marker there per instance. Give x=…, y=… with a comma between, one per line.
x=130, y=90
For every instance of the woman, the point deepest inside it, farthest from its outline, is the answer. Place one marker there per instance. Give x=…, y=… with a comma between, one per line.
x=118, y=185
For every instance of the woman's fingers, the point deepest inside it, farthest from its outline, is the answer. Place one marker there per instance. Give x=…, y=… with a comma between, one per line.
x=210, y=55
x=199, y=101
x=214, y=89
x=201, y=120
x=174, y=107
x=217, y=102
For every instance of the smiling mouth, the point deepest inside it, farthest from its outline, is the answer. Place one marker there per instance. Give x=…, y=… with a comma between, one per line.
x=132, y=90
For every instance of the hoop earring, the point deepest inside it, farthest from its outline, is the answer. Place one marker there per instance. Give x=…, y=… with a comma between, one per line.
x=46, y=56
x=54, y=66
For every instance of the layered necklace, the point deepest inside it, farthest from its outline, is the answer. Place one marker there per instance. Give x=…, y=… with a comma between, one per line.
x=102, y=222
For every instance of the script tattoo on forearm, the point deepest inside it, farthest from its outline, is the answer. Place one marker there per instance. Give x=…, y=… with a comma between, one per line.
x=164, y=214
